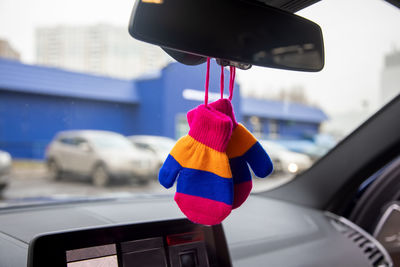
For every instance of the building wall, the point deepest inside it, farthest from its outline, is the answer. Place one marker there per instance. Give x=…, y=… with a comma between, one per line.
x=150, y=115
x=39, y=102
x=7, y=51
x=28, y=122
x=29, y=118
x=99, y=49
x=165, y=100
x=297, y=129
x=270, y=128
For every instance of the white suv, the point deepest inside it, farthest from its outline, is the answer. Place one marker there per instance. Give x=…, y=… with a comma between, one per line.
x=101, y=155
x=5, y=168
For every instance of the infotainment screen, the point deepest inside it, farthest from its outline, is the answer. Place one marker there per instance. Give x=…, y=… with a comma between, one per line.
x=172, y=243
x=104, y=256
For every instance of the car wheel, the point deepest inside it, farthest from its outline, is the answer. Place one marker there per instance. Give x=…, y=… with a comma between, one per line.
x=2, y=189
x=143, y=181
x=278, y=167
x=100, y=176
x=54, y=170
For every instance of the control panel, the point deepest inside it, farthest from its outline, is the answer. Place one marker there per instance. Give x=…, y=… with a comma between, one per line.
x=174, y=243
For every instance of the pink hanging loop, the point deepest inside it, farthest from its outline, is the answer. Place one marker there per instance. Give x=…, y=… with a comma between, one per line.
x=207, y=82
x=231, y=81
x=222, y=82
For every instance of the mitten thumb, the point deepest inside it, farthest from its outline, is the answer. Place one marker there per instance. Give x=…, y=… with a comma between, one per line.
x=259, y=160
x=169, y=171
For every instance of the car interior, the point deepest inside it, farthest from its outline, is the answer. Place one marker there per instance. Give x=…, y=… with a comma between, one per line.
x=342, y=211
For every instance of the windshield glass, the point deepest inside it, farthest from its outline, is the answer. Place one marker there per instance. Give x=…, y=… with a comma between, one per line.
x=110, y=142
x=70, y=65
x=163, y=144
x=272, y=146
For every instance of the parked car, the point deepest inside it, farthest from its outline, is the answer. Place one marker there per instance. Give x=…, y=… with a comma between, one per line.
x=310, y=148
x=159, y=145
x=284, y=160
x=101, y=155
x=5, y=168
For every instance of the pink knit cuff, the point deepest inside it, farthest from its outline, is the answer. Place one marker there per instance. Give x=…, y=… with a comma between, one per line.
x=210, y=127
x=191, y=114
x=225, y=106
x=222, y=105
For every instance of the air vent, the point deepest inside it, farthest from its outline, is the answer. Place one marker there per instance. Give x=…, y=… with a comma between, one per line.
x=371, y=248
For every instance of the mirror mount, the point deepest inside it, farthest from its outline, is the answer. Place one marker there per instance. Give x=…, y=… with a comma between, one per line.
x=239, y=65
x=191, y=59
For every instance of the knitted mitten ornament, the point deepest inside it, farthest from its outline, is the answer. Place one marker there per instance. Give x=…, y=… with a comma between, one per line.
x=243, y=148
x=204, y=190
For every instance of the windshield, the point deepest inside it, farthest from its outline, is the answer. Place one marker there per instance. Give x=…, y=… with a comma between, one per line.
x=71, y=65
x=110, y=142
x=157, y=143
x=272, y=146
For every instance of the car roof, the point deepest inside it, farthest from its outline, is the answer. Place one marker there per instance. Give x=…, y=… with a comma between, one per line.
x=149, y=137
x=85, y=133
x=272, y=144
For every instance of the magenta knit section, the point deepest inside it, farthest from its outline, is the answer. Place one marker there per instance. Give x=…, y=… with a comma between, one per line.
x=210, y=127
x=225, y=106
x=222, y=105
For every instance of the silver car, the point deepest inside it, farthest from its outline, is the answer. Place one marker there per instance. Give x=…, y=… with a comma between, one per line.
x=5, y=168
x=101, y=155
x=284, y=160
x=160, y=146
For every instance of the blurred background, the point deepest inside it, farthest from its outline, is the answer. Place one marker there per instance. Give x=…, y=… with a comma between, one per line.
x=87, y=110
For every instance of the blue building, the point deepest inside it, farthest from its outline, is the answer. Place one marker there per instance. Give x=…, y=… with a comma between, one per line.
x=167, y=96
x=37, y=102
x=277, y=119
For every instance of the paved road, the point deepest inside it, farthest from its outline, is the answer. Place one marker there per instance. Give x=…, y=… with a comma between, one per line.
x=33, y=181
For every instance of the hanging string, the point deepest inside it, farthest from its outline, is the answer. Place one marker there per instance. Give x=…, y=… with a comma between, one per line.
x=231, y=81
x=207, y=82
x=222, y=82
x=232, y=74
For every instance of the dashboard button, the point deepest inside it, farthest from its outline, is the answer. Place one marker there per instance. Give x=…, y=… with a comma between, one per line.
x=188, y=259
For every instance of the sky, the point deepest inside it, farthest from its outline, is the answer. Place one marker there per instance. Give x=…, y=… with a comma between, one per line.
x=357, y=35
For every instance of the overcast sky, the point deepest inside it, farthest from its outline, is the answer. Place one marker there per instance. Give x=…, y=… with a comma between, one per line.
x=357, y=34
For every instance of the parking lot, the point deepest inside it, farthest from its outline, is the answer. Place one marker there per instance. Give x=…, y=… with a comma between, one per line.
x=31, y=180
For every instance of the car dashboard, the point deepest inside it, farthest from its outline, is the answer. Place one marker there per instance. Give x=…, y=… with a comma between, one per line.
x=151, y=231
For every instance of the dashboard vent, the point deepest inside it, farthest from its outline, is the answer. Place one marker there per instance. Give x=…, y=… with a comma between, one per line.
x=373, y=250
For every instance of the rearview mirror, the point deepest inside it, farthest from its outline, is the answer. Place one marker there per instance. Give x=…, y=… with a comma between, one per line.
x=236, y=31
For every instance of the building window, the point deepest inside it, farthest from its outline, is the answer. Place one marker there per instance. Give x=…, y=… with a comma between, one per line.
x=290, y=123
x=256, y=125
x=273, y=129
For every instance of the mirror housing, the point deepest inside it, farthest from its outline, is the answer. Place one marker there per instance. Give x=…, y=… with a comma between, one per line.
x=245, y=32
